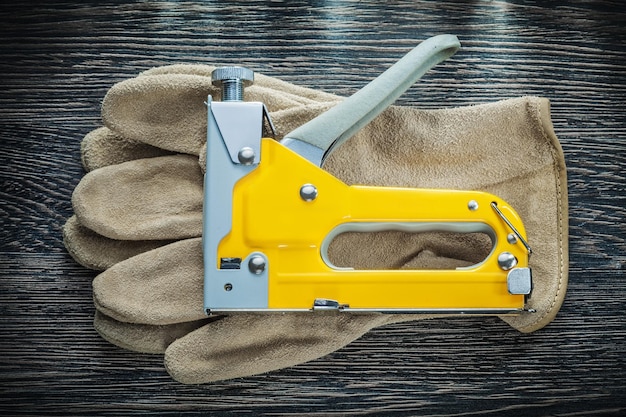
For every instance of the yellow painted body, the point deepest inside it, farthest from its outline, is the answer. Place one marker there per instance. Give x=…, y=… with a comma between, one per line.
x=269, y=216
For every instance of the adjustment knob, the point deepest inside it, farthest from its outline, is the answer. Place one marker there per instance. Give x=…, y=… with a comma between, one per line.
x=232, y=81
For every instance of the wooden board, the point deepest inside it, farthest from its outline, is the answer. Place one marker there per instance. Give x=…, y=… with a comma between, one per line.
x=59, y=58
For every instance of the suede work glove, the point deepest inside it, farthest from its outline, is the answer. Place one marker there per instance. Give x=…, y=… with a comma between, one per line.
x=138, y=215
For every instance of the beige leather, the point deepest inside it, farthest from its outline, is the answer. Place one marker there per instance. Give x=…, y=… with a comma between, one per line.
x=140, y=218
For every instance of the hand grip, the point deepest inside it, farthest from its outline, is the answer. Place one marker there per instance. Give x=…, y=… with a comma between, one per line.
x=333, y=127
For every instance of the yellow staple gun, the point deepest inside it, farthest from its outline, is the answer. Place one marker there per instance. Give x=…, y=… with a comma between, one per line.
x=271, y=211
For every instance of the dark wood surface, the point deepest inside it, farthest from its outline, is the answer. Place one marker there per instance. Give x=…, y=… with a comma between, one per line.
x=59, y=58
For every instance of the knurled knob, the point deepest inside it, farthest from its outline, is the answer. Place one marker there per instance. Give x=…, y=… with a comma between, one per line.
x=232, y=81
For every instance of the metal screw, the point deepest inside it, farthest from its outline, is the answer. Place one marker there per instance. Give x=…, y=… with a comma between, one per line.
x=246, y=155
x=308, y=192
x=256, y=265
x=232, y=81
x=228, y=287
x=507, y=260
x=511, y=238
x=472, y=205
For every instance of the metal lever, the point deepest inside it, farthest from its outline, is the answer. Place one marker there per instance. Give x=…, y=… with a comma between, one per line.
x=316, y=139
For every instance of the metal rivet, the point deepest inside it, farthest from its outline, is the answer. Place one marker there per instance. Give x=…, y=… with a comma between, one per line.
x=507, y=260
x=246, y=155
x=228, y=286
x=511, y=238
x=472, y=205
x=308, y=192
x=256, y=264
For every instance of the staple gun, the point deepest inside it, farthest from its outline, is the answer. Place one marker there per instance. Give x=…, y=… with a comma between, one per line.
x=270, y=213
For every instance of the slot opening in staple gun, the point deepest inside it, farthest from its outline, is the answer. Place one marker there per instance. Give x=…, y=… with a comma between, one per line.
x=402, y=246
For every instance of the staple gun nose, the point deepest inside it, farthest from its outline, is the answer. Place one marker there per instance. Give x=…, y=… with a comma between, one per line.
x=270, y=211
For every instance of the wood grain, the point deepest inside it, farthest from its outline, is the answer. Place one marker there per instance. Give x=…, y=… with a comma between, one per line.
x=59, y=58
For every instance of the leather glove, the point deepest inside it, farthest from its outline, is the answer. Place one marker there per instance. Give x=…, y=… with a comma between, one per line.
x=154, y=297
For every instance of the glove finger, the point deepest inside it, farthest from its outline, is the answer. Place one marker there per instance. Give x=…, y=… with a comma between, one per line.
x=147, y=199
x=144, y=338
x=103, y=147
x=245, y=344
x=159, y=287
x=169, y=112
x=166, y=111
x=95, y=251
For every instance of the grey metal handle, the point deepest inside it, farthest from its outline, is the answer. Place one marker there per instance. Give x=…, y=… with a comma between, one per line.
x=316, y=139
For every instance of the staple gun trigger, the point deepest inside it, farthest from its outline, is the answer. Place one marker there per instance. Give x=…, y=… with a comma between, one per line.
x=270, y=212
